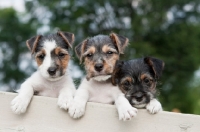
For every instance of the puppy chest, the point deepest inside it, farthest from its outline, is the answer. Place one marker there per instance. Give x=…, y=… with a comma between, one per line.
x=47, y=90
x=102, y=95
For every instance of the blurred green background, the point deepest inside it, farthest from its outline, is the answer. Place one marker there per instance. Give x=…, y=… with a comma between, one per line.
x=169, y=30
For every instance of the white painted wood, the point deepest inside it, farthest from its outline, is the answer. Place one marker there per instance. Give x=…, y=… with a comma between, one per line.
x=43, y=115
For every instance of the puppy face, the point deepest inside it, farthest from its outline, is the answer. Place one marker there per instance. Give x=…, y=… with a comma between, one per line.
x=51, y=53
x=100, y=53
x=137, y=79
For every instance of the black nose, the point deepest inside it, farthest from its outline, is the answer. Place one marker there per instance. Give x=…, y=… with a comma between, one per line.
x=98, y=67
x=52, y=71
x=139, y=96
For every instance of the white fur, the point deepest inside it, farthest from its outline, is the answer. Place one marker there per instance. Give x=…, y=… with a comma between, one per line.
x=102, y=78
x=140, y=105
x=47, y=62
x=63, y=89
x=154, y=106
x=101, y=92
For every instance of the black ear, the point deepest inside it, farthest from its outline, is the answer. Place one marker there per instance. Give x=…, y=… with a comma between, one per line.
x=116, y=72
x=80, y=49
x=156, y=65
x=67, y=37
x=120, y=41
x=33, y=42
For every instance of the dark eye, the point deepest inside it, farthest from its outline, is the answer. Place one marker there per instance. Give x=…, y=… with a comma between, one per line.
x=89, y=55
x=126, y=83
x=41, y=56
x=146, y=80
x=61, y=54
x=109, y=52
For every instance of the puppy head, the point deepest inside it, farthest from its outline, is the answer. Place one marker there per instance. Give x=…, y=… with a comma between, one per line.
x=137, y=79
x=100, y=53
x=51, y=53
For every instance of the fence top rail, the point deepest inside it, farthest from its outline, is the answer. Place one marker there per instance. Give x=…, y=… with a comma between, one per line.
x=43, y=115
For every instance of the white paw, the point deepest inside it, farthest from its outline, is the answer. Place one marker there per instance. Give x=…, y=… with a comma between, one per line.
x=154, y=106
x=127, y=112
x=19, y=105
x=64, y=101
x=77, y=109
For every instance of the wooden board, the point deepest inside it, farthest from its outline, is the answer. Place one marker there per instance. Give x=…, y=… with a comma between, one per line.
x=43, y=115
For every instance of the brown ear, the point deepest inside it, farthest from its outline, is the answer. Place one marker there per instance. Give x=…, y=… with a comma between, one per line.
x=80, y=49
x=156, y=65
x=68, y=37
x=116, y=72
x=120, y=41
x=32, y=43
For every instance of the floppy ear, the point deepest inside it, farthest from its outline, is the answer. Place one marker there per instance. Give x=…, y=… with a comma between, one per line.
x=120, y=41
x=32, y=43
x=116, y=72
x=67, y=37
x=80, y=49
x=156, y=65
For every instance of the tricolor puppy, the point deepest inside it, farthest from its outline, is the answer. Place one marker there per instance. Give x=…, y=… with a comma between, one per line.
x=137, y=79
x=100, y=54
x=51, y=79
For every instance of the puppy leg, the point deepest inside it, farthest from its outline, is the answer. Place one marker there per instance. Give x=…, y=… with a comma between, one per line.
x=19, y=104
x=66, y=95
x=77, y=107
x=125, y=110
x=154, y=106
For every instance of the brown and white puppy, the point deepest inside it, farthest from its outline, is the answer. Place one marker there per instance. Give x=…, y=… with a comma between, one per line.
x=137, y=79
x=100, y=54
x=51, y=53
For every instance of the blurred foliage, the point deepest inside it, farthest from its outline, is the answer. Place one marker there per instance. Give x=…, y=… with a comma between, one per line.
x=169, y=30
x=12, y=45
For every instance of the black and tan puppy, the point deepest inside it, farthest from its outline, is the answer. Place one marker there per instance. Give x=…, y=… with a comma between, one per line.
x=137, y=79
x=99, y=55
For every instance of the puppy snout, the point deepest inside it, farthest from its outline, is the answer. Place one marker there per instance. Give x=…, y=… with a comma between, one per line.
x=98, y=67
x=139, y=96
x=52, y=71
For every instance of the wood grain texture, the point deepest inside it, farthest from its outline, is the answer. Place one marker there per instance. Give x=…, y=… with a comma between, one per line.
x=43, y=115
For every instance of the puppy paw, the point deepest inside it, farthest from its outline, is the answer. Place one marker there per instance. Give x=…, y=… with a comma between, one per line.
x=154, y=106
x=19, y=105
x=76, y=109
x=64, y=102
x=127, y=113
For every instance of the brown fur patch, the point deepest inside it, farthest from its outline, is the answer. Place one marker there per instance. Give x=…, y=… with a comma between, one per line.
x=145, y=75
x=62, y=61
x=90, y=50
x=109, y=63
x=129, y=79
x=152, y=82
x=89, y=67
x=107, y=48
x=38, y=60
x=60, y=50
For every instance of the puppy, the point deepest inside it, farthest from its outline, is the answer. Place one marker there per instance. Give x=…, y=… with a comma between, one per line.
x=137, y=79
x=100, y=54
x=52, y=57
